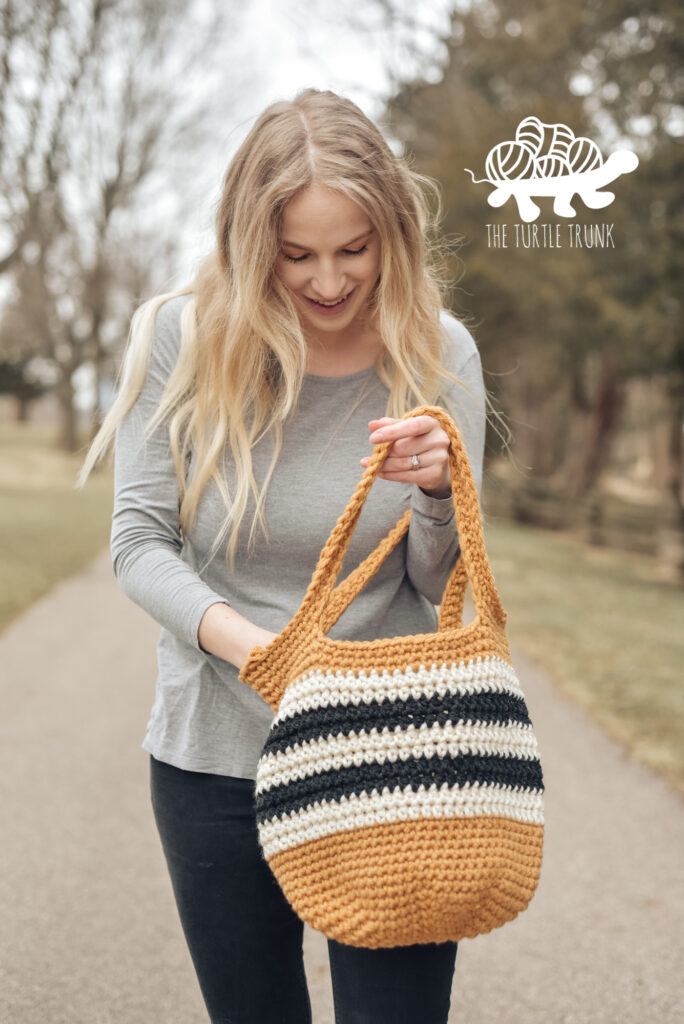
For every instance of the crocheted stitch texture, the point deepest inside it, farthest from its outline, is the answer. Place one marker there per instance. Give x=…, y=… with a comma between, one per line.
x=399, y=795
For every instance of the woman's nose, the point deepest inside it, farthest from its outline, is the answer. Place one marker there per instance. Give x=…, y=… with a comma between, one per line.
x=328, y=282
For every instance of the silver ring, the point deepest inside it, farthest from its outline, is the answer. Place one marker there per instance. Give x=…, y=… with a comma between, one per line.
x=415, y=461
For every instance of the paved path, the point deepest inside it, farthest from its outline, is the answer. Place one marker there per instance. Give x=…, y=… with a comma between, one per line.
x=89, y=932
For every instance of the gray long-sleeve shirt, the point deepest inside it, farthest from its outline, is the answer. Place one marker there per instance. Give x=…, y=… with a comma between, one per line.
x=203, y=718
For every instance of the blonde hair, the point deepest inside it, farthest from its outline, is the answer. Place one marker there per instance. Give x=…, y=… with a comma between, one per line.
x=242, y=352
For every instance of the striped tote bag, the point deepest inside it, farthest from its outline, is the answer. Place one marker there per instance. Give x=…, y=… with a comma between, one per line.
x=399, y=794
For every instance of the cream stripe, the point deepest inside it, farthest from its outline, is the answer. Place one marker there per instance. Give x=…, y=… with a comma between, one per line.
x=359, y=811
x=319, y=689
x=439, y=740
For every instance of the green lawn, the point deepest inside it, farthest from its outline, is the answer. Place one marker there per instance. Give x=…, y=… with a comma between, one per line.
x=48, y=530
x=605, y=628
x=599, y=621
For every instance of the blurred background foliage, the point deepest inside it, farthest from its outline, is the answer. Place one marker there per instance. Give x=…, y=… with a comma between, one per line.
x=566, y=334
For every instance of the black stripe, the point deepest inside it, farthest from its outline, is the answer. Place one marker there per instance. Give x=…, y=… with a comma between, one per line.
x=333, y=720
x=516, y=773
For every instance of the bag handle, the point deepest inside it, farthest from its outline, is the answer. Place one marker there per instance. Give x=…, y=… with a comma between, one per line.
x=343, y=595
x=450, y=612
x=322, y=606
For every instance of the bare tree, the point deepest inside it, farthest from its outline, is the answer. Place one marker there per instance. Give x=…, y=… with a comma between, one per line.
x=100, y=116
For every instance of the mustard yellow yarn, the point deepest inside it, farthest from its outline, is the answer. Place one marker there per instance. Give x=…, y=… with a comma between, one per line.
x=399, y=795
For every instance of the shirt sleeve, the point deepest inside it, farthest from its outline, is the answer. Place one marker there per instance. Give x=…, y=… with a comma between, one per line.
x=433, y=545
x=146, y=540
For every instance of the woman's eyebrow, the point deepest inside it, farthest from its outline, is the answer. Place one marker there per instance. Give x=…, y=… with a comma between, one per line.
x=294, y=245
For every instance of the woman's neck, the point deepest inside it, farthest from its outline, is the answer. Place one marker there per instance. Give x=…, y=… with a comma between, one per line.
x=330, y=358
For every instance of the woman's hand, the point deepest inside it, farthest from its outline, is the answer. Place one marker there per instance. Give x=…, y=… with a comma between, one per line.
x=257, y=637
x=418, y=435
x=229, y=635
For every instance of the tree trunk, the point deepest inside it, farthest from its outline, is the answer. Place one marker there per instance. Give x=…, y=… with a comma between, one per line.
x=545, y=438
x=576, y=416
x=97, y=413
x=603, y=425
x=675, y=475
x=68, y=434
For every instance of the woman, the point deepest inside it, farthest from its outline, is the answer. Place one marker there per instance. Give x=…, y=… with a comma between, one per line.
x=247, y=401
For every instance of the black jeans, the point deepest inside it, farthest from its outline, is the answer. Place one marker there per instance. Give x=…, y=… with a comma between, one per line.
x=244, y=938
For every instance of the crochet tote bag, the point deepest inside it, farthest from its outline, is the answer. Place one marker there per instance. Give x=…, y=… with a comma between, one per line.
x=399, y=794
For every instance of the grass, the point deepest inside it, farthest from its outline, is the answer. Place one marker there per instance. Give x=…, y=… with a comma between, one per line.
x=606, y=630
x=48, y=530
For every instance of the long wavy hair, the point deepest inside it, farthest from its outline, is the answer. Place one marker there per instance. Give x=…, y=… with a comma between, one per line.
x=242, y=353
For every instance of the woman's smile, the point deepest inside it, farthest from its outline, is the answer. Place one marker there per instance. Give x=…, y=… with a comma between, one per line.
x=334, y=308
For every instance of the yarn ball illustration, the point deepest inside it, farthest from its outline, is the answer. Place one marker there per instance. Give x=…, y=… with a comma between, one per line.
x=584, y=155
x=541, y=150
x=561, y=139
x=550, y=160
x=510, y=160
x=530, y=133
x=542, y=138
x=551, y=166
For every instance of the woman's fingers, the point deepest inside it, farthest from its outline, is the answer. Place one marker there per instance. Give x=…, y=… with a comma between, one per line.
x=404, y=463
x=419, y=435
x=397, y=430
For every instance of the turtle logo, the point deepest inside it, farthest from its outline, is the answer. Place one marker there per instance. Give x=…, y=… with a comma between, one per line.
x=549, y=160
